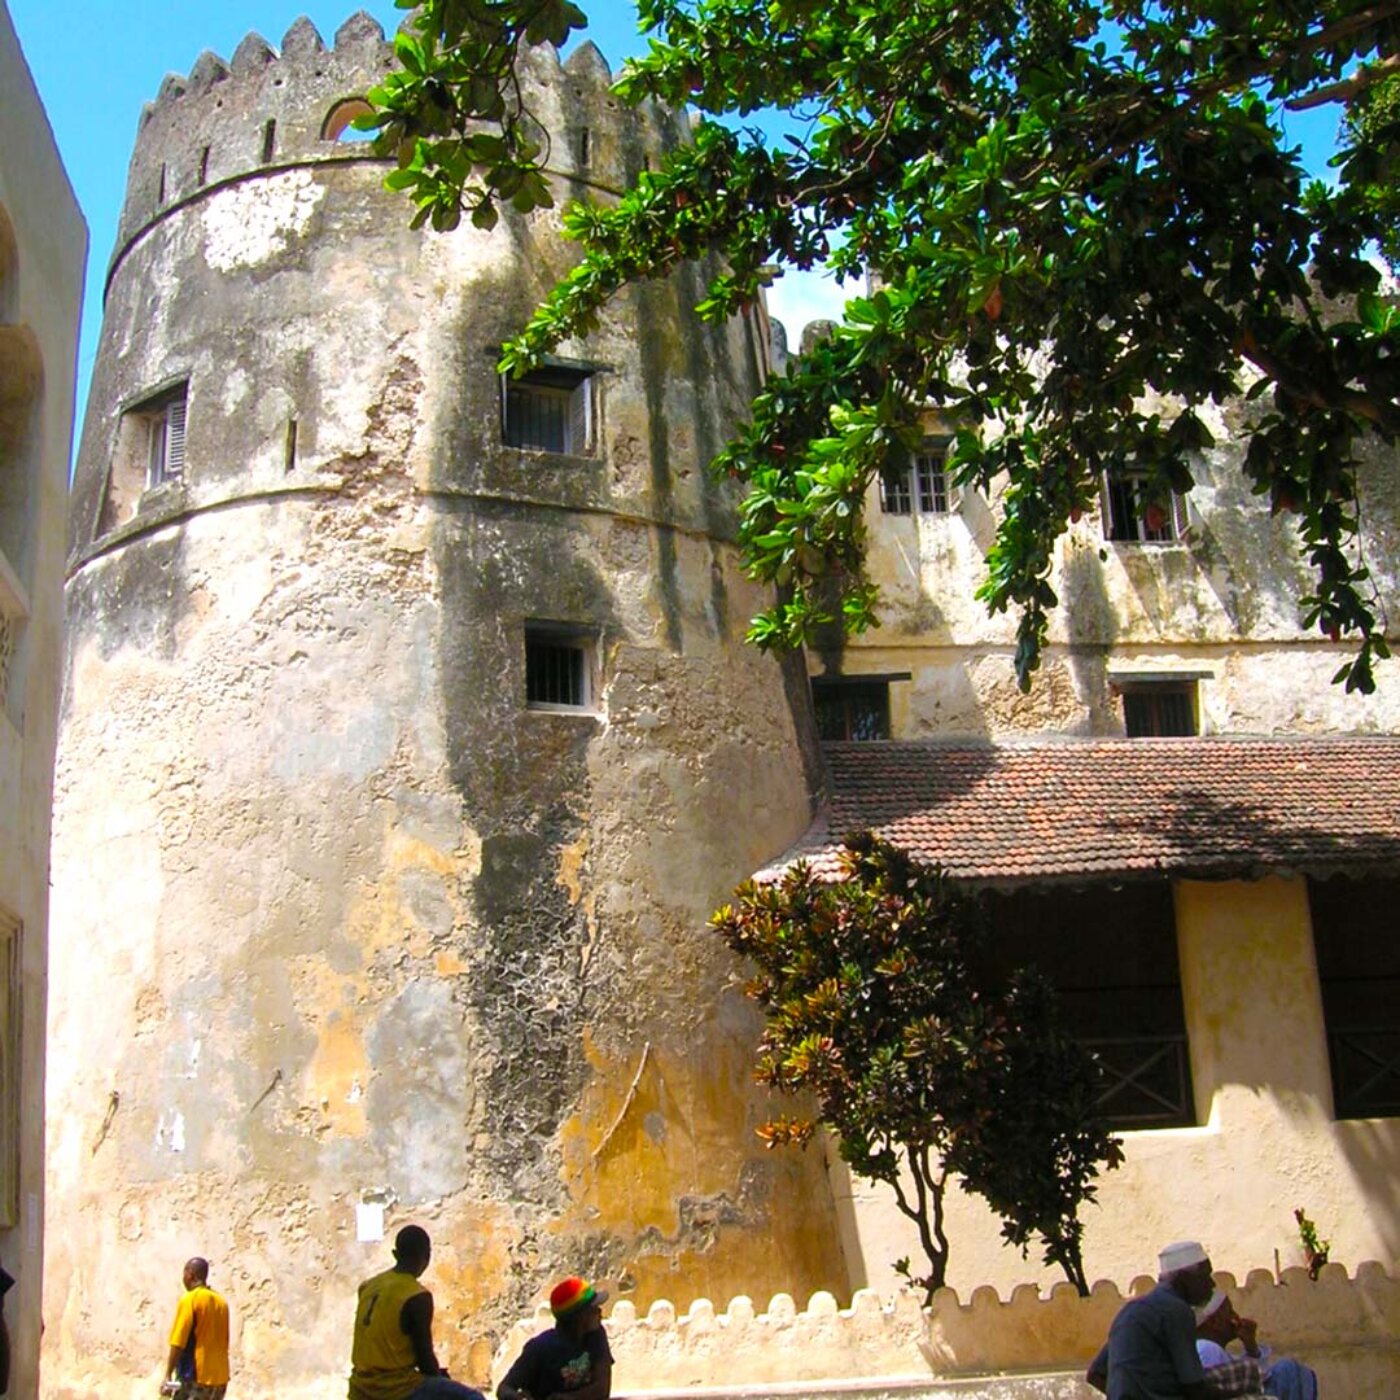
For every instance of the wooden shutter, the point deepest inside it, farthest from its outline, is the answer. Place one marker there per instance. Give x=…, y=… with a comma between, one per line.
x=580, y=440
x=175, y=438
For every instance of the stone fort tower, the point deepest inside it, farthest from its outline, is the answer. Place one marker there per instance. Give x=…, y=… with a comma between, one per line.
x=409, y=738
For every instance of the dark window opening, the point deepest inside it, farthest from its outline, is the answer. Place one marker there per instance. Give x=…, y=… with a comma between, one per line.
x=1111, y=955
x=558, y=668
x=549, y=410
x=269, y=143
x=583, y=145
x=1358, y=966
x=203, y=165
x=1159, y=711
x=1130, y=516
x=852, y=709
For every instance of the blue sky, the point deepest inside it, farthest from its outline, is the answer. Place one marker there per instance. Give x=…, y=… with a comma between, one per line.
x=96, y=61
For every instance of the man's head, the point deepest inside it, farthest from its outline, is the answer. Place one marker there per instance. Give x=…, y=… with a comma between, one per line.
x=1216, y=1319
x=577, y=1306
x=196, y=1272
x=1185, y=1268
x=413, y=1250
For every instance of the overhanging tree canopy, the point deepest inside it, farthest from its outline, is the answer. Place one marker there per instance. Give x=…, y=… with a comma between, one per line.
x=1083, y=220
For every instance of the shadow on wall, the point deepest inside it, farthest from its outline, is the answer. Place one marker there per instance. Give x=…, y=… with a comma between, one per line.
x=1371, y=1147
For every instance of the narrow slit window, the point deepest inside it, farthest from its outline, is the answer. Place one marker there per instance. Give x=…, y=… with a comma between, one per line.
x=204, y=165
x=269, y=144
x=290, y=454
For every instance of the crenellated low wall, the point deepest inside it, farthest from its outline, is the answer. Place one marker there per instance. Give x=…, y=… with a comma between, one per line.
x=1347, y=1327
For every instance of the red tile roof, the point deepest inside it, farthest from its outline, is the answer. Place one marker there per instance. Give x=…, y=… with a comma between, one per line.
x=1076, y=811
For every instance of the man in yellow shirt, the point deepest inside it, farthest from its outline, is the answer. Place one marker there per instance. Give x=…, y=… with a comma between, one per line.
x=198, y=1361
x=391, y=1356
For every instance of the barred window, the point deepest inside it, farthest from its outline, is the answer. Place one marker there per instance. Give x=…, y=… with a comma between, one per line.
x=559, y=667
x=549, y=410
x=852, y=708
x=923, y=484
x=1129, y=516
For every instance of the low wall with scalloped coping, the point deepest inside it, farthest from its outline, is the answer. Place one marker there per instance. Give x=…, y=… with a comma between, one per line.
x=1028, y=1345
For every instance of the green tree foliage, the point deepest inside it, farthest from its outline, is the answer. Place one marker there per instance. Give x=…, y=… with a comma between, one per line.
x=1083, y=219
x=880, y=1011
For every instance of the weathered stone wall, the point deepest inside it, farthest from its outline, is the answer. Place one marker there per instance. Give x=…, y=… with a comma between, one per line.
x=43, y=249
x=1221, y=604
x=338, y=919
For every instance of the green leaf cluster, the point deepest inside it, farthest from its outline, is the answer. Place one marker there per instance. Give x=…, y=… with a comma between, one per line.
x=882, y=1016
x=1081, y=218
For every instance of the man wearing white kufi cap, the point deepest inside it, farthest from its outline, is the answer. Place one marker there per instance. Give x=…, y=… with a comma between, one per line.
x=1151, y=1349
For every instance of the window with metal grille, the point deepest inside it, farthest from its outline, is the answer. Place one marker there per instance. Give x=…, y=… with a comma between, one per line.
x=922, y=485
x=852, y=709
x=1159, y=711
x=558, y=668
x=931, y=475
x=1130, y=516
x=549, y=410
x=1358, y=967
x=1111, y=955
x=895, y=495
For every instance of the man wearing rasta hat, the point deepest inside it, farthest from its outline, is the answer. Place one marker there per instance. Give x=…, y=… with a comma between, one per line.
x=572, y=1360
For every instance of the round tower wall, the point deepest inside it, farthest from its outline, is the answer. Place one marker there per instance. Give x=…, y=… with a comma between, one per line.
x=351, y=909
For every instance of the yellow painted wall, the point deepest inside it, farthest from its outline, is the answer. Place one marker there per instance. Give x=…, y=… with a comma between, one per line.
x=1266, y=1141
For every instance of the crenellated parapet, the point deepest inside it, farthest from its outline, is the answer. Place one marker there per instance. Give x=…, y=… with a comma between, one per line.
x=268, y=110
x=1344, y=1325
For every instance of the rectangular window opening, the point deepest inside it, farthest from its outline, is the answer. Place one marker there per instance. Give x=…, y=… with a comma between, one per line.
x=852, y=708
x=1111, y=956
x=269, y=144
x=149, y=451
x=1160, y=710
x=203, y=165
x=1130, y=516
x=559, y=668
x=550, y=410
x=1358, y=967
x=923, y=485
x=289, y=459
